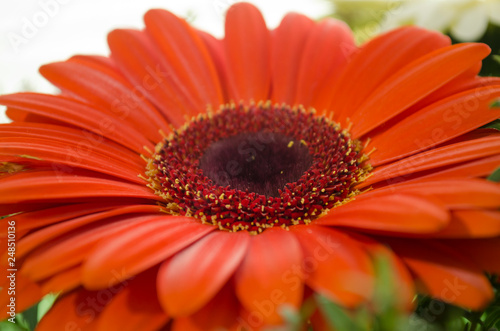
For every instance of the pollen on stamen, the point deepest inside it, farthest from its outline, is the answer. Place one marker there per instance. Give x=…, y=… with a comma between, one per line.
x=249, y=168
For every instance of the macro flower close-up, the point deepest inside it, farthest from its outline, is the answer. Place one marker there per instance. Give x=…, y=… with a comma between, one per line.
x=186, y=182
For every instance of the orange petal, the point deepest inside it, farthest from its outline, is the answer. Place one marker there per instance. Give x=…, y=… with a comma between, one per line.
x=412, y=83
x=389, y=214
x=144, y=67
x=54, y=185
x=440, y=122
x=78, y=310
x=76, y=113
x=212, y=316
x=217, y=52
x=74, y=137
x=186, y=55
x=329, y=46
x=444, y=273
x=36, y=219
x=63, y=281
x=472, y=223
x=73, y=248
x=371, y=66
x=247, y=44
x=139, y=248
x=104, y=87
x=215, y=257
x=438, y=157
x=333, y=265
x=479, y=168
x=463, y=82
x=40, y=153
x=27, y=292
x=401, y=276
x=484, y=252
x=454, y=193
x=37, y=238
x=261, y=285
x=289, y=40
x=137, y=301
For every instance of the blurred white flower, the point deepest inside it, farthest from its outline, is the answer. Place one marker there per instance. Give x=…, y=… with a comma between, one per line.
x=465, y=20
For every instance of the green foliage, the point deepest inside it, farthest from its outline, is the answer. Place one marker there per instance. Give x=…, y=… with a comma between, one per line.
x=27, y=320
x=496, y=58
x=495, y=176
x=385, y=315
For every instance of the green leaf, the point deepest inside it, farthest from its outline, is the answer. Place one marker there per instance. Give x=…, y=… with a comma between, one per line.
x=496, y=58
x=9, y=326
x=292, y=318
x=28, y=318
x=495, y=176
x=337, y=318
x=492, y=125
x=495, y=104
x=45, y=305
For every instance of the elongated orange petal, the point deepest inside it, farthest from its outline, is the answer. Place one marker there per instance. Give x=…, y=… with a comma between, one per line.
x=73, y=137
x=182, y=291
x=288, y=43
x=44, y=154
x=71, y=249
x=78, y=114
x=212, y=317
x=63, y=281
x=472, y=223
x=36, y=219
x=143, y=66
x=106, y=88
x=439, y=157
x=27, y=292
x=484, y=252
x=454, y=193
x=444, y=273
x=134, y=307
x=78, y=310
x=329, y=46
x=371, y=66
x=414, y=82
x=53, y=185
x=186, y=55
x=261, y=285
x=217, y=52
x=333, y=265
x=47, y=234
x=462, y=83
x=479, y=168
x=140, y=248
x=402, y=280
x=248, y=48
x=392, y=214
x=442, y=121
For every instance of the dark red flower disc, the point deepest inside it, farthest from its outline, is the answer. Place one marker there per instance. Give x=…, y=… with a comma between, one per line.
x=255, y=167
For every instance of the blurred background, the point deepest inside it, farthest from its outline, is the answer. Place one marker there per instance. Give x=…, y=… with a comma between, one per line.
x=34, y=32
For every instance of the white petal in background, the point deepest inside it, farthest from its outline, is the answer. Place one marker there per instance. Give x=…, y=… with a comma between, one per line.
x=494, y=11
x=34, y=32
x=472, y=23
x=465, y=20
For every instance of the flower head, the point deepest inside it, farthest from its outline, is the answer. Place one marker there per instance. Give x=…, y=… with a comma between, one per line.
x=187, y=182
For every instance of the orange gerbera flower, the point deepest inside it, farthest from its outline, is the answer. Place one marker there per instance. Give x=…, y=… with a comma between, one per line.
x=250, y=200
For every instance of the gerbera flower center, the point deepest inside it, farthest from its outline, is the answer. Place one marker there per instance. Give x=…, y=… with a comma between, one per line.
x=251, y=168
x=261, y=162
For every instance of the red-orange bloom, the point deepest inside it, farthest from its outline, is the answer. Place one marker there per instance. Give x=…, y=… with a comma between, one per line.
x=186, y=182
